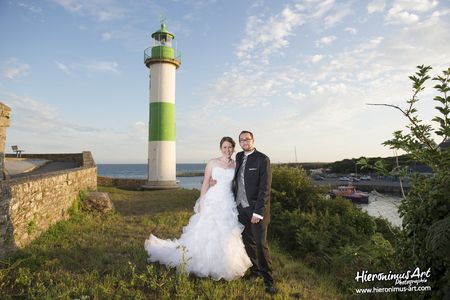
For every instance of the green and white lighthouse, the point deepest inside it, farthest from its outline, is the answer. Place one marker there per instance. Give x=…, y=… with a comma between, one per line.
x=162, y=60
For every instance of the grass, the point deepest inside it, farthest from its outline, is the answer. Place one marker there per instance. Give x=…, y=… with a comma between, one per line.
x=92, y=256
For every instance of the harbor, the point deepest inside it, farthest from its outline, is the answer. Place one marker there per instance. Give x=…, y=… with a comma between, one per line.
x=384, y=186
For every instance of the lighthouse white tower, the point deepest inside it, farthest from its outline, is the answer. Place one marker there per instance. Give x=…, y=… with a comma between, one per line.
x=162, y=60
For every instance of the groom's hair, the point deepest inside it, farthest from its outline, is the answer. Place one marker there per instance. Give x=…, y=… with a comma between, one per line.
x=246, y=131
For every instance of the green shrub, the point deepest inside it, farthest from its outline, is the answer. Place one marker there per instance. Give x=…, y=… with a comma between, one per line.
x=292, y=189
x=331, y=235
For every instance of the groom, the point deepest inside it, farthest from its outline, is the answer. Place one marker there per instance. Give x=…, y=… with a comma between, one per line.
x=252, y=180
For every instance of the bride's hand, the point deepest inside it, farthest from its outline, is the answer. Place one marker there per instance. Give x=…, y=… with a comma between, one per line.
x=255, y=220
x=212, y=182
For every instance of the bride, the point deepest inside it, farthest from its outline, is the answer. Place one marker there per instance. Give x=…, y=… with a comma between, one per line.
x=211, y=243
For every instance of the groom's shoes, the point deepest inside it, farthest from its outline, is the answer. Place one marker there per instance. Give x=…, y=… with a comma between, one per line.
x=270, y=289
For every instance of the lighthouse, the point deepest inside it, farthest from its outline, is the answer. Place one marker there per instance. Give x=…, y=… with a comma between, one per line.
x=163, y=61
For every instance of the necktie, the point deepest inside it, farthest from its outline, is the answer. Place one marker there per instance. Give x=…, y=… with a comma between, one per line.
x=242, y=197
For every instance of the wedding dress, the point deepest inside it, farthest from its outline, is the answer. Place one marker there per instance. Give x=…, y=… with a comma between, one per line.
x=211, y=243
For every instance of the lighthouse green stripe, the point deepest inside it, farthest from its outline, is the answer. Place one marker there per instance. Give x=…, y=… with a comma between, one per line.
x=163, y=52
x=162, y=121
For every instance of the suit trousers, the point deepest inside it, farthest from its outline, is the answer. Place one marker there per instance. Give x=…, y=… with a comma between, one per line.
x=255, y=241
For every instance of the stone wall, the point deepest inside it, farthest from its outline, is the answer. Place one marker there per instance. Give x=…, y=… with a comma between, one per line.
x=29, y=205
x=5, y=112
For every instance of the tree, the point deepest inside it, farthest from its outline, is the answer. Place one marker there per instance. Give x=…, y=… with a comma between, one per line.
x=425, y=237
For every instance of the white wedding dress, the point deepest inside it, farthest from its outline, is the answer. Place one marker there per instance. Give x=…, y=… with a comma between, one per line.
x=211, y=243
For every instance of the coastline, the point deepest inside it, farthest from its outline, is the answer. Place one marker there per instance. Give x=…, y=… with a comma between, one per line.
x=382, y=186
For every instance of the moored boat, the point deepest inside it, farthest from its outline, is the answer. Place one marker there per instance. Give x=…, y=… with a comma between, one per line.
x=351, y=193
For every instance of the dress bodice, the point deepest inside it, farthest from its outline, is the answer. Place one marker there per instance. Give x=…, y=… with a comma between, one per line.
x=223, y=176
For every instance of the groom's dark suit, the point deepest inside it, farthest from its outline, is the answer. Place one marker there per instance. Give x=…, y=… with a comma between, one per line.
x=257, y=180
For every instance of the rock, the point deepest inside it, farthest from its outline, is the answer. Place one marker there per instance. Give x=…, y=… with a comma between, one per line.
x=97, y=201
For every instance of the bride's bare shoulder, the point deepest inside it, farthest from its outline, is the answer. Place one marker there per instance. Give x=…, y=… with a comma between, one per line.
x=213, y=162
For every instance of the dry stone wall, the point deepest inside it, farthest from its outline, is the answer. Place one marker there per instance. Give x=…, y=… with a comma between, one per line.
x=5, y=112
x=29, y=205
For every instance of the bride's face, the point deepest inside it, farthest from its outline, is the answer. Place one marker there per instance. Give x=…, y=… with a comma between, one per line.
x=227, y=149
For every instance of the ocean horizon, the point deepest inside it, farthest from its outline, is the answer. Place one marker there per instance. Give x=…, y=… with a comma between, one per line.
x=139, y=171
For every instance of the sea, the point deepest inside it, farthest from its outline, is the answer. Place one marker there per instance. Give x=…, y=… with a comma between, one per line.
x=139, y=171
x=380, y=205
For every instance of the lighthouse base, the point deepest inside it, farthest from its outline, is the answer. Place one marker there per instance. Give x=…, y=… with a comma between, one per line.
x=161, y=185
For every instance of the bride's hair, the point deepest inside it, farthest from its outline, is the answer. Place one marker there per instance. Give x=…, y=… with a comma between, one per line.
x=227, y=139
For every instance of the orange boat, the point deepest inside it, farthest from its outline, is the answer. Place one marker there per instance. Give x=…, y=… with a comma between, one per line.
x=350, y=192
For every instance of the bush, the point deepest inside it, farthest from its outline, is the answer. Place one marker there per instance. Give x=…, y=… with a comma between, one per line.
x=292, y=189
x=332, y=235
x=425, y=238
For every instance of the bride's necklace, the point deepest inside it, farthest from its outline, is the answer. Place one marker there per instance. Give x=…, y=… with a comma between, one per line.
x=226, y=162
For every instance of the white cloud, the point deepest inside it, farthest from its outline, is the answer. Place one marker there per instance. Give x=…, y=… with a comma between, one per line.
x=316, y=58
x=371, y=44
x=295, y=96
x=141, y=130
x=63, y=67
x=395, y=15
x=100, y=10
x=330, y=89
x=326, y=40
x=30, y=7
x=102, y=66
x=253, y=82
x=13, y=69
x=37, y=116
x=376, y=6
x=414, y=5
x=250, y=87
x=106, y=36
x=337, y=16
x=111, y=67
x=322, y=8
x=264, y=37
x=70, y=5
x=407, y=11
x=351, y=30
x=41, y=128
x=302, y=95
x=441, y=13
x=244, y=89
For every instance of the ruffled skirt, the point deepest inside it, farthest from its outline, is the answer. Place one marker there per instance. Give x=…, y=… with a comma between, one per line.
x=211, y=243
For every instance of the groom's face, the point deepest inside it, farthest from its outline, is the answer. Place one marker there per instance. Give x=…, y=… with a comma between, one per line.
x=246, y=141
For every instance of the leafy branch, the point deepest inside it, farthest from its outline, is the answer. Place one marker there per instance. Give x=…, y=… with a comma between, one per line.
x=419, y=142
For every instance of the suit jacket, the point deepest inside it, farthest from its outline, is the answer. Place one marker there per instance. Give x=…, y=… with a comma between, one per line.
x=258, y=179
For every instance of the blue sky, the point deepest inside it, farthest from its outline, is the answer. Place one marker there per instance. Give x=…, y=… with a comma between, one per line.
x=296, y=73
